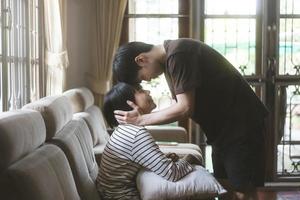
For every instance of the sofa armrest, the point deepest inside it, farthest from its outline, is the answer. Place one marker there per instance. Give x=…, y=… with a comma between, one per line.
x=98, y=150
x=168, y=133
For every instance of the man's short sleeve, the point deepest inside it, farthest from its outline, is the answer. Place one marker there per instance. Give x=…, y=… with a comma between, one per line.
x=184, y=71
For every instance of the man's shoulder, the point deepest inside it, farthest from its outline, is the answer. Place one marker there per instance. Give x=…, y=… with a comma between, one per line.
x=183, y=41
x=182, y=45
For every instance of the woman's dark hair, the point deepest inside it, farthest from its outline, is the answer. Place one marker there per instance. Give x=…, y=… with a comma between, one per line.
x=125, y=68
x=116, y=99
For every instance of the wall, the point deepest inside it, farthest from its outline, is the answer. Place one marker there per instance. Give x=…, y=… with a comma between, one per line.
x=79, y=41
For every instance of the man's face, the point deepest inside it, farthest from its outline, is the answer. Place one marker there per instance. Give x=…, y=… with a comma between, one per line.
x=147, y=73
x=150, y=68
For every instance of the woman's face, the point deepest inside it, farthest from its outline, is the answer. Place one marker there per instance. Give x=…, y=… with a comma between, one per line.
x=144, y=101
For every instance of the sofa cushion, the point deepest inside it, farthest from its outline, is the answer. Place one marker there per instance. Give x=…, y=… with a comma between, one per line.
x=44, y=174
x=21, y=132
x=83, y=135
x=56, y=111
x=168, y=133
x=81, y=98
x=199, y=184
x=98, y=150
x=179, y=146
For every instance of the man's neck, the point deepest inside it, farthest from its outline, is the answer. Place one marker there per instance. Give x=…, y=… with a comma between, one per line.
x=160, y=53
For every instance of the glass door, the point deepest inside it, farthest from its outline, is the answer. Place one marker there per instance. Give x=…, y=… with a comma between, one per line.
x=234, y=29
x=287, y=91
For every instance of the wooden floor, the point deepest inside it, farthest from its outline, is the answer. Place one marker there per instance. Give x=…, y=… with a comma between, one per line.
x=278, y=194
x=270, y=194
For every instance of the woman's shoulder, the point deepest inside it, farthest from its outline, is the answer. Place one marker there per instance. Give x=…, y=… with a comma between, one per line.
x=134, y=129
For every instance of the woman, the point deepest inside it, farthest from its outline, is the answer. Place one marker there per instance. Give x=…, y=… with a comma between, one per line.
x=132, y=147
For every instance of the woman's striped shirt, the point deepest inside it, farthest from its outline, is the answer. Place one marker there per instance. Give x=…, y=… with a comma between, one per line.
x=129, y=149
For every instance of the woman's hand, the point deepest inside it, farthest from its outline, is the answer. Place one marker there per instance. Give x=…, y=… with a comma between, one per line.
x=173, y=156
x=129, y=117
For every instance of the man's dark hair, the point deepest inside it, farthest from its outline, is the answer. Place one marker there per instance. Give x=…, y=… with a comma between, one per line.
x=116, y=99
x=125, y=69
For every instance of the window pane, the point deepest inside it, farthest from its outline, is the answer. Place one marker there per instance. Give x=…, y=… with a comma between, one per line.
x=1, y=82
x=1, y=18
x=16, y=53
x=153, y=6
x=289, y=46
x=221, y=7
x=153, y=30
x=235, y=39
x=288, y=162
x=290, y=7
x=208, y=159
x=34, y=50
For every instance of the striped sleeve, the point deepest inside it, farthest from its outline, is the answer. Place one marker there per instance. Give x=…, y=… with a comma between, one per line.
x=147, y=153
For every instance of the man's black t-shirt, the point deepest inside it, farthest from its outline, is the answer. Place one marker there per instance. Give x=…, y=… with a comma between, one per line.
x=225, y=105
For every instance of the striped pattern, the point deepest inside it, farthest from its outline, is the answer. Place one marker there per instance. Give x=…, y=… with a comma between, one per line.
x=129, y=149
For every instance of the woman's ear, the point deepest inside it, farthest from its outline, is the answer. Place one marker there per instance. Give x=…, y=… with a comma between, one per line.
x=141, y=59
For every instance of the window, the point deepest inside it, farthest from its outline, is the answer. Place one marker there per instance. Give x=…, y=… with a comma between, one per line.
x=20, y=53
x=153, y=21
x=288, y=90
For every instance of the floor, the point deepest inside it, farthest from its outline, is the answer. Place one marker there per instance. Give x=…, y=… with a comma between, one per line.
x=269, y=194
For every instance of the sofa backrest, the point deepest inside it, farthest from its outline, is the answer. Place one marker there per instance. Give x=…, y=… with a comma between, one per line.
x=29, y=169
x=82, y=101
x=73, y=142
x=81, y=98
x=21, y=132
x=56, y=112
x=43, y=174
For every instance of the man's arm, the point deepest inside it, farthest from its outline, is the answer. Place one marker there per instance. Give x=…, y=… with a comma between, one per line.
x=181, y=109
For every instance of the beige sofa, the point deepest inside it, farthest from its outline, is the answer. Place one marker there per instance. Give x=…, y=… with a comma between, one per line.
x=48, y=148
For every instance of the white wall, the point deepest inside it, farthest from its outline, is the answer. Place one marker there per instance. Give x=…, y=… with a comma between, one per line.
x=79, y=41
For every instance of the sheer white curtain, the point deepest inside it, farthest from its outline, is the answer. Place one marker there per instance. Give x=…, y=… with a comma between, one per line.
x=109, y=18
x=56, y=55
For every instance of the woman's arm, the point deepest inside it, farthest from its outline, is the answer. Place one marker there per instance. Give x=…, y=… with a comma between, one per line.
x=181, y=109
x=147, y=153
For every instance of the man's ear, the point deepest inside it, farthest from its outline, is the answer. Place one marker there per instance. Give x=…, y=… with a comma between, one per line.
x=141, y=59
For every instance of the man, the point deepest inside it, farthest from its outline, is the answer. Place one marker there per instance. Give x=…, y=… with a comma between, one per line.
x=208, y=89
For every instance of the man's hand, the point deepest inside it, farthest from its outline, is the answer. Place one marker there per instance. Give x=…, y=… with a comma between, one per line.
x=174, y=157
x=129, y=117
